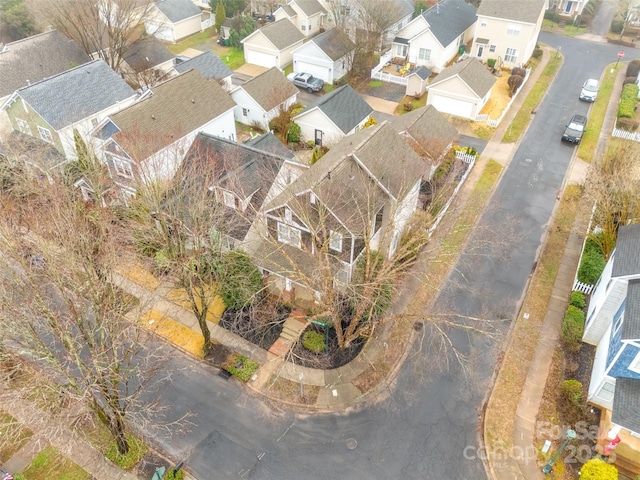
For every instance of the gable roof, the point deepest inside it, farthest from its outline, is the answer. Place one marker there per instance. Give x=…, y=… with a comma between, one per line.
x=177, y=107
x=247, y=171
x=270, y=143
x=448, y=19
x=282, y=34
x=310, y=7
x=471, y=72
x=270, y=88
x=425, y=124
x=343, y=106
x=402, y=9
x=626, y=404
x=422, y=72
x=177, y=10
x=35, y=58
x=76, y=94
x=334, y=43
x=145, y=53
x=528, y=11
x=288, y=9
x=208, y=64
x=627, y=253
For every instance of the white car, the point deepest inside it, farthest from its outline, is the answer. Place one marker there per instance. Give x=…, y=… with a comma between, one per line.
x=589, y=90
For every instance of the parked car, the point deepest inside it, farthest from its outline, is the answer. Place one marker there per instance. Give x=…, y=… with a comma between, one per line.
x=575, y=129
x=589, y=90
x=306, y=81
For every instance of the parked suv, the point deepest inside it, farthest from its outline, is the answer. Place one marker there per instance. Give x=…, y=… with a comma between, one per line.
x=306, y=81
x=575, y=129
x=589, y=90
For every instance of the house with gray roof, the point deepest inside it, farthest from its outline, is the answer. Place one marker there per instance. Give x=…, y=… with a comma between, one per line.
x=328, y=56
x=273, y=44
x=461, y=89
x=333, y=116
x=146, y=62
x=613, y=327
x=78, y=99
x=436, y=36
x=359, y=195
x=149, y=139
x=209, y=66
x=262, y=98
x=173, y=20
x=306, y=15
x=508, y=34
x=268, y=142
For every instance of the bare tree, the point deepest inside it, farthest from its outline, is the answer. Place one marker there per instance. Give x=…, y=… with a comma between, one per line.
x=60, y=312
x=103, y=28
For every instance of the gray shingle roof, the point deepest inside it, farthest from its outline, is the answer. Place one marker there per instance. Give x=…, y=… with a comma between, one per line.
x=472, y=72
x=208, y=64
x=627, y=255
x=426, y=125
x=626, y=404
x=177, y=107
x=527, y=11
x=344, y=107
x=145, y=53
x=269, y=143
x=76, y=94
x=448, y=19
x=310, y=7
x=282, y=33
x=403, y=9
x=422, y=71
x=334, y=43
x=178, y=10
x=270, y=88
x=35, y=58
x=288, y=9
x=631, y=324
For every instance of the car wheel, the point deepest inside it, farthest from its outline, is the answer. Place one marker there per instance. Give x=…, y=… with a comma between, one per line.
x=310, y=90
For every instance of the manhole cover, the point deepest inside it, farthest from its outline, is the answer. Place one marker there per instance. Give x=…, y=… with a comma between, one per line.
x=351, y=443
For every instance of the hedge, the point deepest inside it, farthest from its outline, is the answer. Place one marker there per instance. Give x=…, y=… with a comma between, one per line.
x=572, y=328
x=633, y=69
x=591, y=266
x=577, y=300
x=628, y=99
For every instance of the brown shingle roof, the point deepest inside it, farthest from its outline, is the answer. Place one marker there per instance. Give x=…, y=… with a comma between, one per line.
x=270, y=88
x=282, y=33
x=310, y=7
x=425, y=124
x=177, y=107
x=334, y=43
x=472, y=72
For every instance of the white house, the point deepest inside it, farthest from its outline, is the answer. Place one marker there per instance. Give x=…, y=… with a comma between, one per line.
x=328, y=56
x=173, y=20
x=306, y=15
x=273, y=44
x=261, y=98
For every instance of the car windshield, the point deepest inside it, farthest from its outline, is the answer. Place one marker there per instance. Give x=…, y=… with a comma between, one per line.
x=590, y=87
x=576, y=126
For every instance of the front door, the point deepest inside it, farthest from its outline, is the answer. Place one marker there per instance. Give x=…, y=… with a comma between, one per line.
x=480, y=51
x=318, y=140
x=569, y=5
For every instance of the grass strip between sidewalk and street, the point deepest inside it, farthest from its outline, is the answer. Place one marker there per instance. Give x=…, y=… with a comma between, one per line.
x=501, y=409
x=523, y=117
x=589, y=142
x=50, y=464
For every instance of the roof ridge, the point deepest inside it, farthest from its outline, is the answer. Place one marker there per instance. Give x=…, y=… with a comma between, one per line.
x=243, y=145
x=31, y=37
x=61, y=73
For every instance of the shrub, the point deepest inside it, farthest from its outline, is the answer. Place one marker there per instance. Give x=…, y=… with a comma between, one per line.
x=628, y=99
x=633, y=69
x=240, y=366
x=318, y=153
x=537, y=52
x=552, y=15
x=313, y=341
x=137, y=449
x=518, y=71
x=598, y=469
x=514, y=82
x=372, y=121
x=170, y=475
x=617, y=26
x=591, y=266
x=311, y=143
x=628, y=80
x=571, y=391
x=444, y=168
x=239, y=281
x=572, y=327
x=577, y=300
x=628, y=124
x=491, y=62
x=293, y=135
x=408, y=106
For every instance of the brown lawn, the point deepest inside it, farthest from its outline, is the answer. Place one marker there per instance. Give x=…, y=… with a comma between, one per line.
x=499, y=97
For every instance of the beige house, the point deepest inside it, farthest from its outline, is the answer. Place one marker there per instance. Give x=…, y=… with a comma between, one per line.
x=306, y=15
x=173, y=20
x=273, y=44
x=505, y=33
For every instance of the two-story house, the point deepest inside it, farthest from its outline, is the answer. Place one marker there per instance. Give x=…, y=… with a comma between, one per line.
x=359, y=196
x=306, y=15
x=613, y=326
x=78, y=99
x=506, y=33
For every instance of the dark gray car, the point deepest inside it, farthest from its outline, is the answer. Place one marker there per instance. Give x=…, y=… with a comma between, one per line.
x=575, y=129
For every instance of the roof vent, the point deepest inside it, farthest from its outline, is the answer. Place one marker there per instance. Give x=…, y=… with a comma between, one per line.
x=153, y=117
x=193, y=100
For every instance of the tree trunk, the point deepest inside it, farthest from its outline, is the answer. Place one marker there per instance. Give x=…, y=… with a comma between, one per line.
x=116, y=427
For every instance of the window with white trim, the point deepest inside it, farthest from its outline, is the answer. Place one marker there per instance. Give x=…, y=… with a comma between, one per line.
x=634, y=366
x=492, y=48
x=335, y=241
x=304, y=27
x=288, y=216
x=401, y=50
x=424, y=54
x=513, y=30
x=618, y=323
x=122, y=167
x=511, y=55
x=229, y=199
x=289, y=235
x=23, y=126
x=606, y=391
x=245, y=112
x=45, y=134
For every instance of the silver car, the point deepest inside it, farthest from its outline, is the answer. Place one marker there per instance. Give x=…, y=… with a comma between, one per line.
x=589, y=90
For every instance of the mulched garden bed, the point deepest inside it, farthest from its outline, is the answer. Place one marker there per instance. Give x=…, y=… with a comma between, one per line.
x=335, y=357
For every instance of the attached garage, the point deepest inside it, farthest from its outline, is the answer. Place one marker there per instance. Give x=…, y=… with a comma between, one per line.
x=259, y=58
x=273, y=44
x=454, y=106
x=316, y=70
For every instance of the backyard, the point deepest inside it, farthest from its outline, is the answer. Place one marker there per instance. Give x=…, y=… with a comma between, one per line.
x=207, y=40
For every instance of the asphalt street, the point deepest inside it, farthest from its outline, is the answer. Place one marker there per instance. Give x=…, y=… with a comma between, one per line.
x=422, y=429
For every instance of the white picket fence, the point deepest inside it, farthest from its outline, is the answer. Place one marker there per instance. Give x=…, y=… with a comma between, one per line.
x=634, y=136
x=387, y=77
x=582, y=287
x=465, y=157
x=494, y=123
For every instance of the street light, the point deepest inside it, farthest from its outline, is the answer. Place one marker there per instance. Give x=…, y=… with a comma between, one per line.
x=570, y=436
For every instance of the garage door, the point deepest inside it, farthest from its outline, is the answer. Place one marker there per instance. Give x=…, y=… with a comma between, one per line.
x=315, y=70
x=259, y=58
x=453, y=106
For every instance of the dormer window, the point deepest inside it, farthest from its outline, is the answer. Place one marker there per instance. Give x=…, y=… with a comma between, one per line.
x=289, y=235
x=229, y=199
x=288, y=216
x=335, y=241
